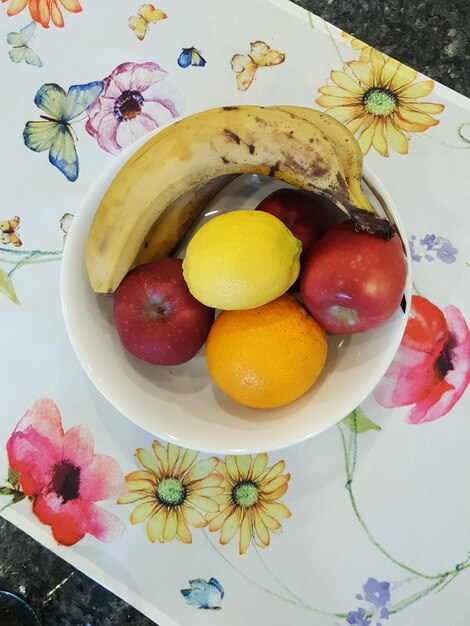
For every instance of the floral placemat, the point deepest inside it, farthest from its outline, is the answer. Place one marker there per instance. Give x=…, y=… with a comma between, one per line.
x=367, y=524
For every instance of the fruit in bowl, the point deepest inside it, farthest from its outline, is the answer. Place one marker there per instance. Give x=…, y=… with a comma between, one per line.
x=267, y=356
x=241, y=260
x=307, y=216
x=244, y=259
x=157, y=318
x=352, y=281
x=147, y=196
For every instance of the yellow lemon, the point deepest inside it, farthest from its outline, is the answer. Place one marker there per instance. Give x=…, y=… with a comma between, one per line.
x=241, y=260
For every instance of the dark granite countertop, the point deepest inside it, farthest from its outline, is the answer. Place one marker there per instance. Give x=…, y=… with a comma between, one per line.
x=432, y=36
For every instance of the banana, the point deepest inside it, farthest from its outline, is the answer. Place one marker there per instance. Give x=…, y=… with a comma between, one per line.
x=346, y=145
x=176, y=220
x=227, y=140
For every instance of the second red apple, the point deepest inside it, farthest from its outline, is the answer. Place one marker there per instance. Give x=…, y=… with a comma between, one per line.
x=307, y=216
x=352, y=281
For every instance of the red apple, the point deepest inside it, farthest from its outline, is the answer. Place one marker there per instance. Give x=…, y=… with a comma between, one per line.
x=352, y=282
x=157, y=318
x=306, y=215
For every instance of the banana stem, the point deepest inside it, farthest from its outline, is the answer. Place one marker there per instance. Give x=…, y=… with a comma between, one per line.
x=372, y=224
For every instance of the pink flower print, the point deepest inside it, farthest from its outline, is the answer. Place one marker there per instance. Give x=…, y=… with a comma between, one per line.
x=135, y=100
x=63, y=476
x=431, y=369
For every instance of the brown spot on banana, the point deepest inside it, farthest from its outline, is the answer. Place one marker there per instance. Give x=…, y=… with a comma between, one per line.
x=274, y=168
x=312, y=170
x=233, y=136
x=238, y=140
x=259, y=120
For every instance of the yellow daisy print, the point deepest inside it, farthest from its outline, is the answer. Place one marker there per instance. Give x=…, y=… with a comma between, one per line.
x=357, y=44
x=249, y=503
x=379, y=101
x=172, y=492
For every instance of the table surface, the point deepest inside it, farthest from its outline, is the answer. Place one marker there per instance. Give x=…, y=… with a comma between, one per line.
x=433, y=38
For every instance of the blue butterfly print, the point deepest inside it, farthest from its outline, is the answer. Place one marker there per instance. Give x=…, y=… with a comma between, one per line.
x=54, y=132
x=204, y=595
x=21, y=51
x=191, y=56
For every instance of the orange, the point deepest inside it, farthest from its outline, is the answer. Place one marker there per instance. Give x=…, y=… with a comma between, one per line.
x=267, y=356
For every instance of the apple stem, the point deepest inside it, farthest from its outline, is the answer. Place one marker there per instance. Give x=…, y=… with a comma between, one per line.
x=156, y=310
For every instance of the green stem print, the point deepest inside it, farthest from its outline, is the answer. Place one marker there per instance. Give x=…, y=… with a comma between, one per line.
x=377, y=594
x=460, y=134
x=441, y=580
x=416, y=290
x=16, y=259
x=333, y=40
x=291, y=597
x=350, y=460
x=11, y=488
x=310, y=19
x=290, y=593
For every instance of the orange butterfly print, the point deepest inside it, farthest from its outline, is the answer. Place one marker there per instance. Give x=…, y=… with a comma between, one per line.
x=246, y=65
x=147, y=15
x=8, y=234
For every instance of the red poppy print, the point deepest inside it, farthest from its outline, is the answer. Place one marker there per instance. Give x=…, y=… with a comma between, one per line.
x=63, y=476
x=431, y=369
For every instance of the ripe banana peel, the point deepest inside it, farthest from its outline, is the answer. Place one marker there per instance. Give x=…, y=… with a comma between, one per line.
x=347, y=147
x=192, y=151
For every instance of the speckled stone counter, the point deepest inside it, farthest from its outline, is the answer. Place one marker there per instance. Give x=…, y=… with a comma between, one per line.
x=432, y=36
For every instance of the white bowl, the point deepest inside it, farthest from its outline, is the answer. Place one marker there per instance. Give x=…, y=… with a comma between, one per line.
x=181, y=404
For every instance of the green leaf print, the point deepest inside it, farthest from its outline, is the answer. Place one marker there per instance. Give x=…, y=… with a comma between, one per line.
x=6, y=287
x=358, y=422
